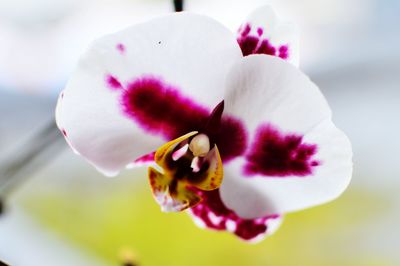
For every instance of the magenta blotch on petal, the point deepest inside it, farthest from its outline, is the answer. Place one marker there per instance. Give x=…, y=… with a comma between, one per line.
x=121, y=48
x=255, y=44
x=275, y=154
x=245, y=29
x=232, y=138
x=160, y=109
x=284, y=52
x=213, y=214
x=112, y=82
x=265, y=48
x=249, y=45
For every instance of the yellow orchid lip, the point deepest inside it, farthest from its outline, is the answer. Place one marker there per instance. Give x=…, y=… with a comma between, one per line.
x=187, y=164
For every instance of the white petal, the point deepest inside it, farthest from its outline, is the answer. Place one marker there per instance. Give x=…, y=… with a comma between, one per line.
x=266, y=25
x=262, y=88
x=192, y=53
x=269, y=91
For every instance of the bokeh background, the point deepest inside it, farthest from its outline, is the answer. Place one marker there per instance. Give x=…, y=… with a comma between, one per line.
x=58, y=210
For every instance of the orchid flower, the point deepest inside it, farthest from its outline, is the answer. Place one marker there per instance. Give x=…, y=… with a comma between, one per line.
x=235, y=132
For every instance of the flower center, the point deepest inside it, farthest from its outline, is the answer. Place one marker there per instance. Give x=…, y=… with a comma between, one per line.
x=200, y=145
x=189, y=164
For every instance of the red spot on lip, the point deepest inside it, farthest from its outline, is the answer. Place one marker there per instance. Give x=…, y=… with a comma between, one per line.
x=64, y=132
x=147, y=158
x=121, y=48
x=255, y=44
x=275, y=154
x=160, y=109
x=212, y=204
x=113, y=82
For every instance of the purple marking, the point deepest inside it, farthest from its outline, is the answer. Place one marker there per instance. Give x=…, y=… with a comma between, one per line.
x=64, y=132
x=244, y=30
x=265, y=48
x=160, y=109
x=274, y=154
x=284, y=52
x=147, y=158
x=232, y=138
x=112, y=82
x=255, y=44
x=62, y=95
x=121, y=48
x=248, y=45
x=215, y=215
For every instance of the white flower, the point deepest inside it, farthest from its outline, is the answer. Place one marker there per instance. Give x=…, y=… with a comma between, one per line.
x=268, y=129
